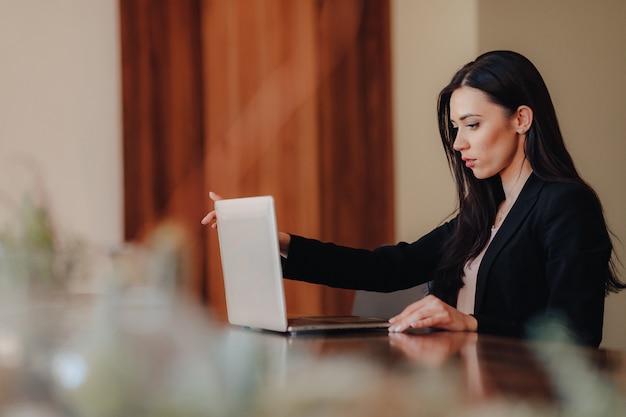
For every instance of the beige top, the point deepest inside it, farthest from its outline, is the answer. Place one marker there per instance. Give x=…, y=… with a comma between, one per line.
x=467, y=294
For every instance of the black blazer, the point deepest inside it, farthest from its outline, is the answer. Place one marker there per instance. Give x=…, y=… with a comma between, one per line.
x=549, y=259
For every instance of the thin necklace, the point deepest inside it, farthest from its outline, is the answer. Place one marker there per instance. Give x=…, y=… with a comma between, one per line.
x=504, y=207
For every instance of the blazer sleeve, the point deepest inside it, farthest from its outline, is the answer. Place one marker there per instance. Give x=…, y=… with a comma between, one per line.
x=385, y=269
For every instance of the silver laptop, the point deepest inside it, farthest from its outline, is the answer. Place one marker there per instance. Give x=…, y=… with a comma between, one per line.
x=252, y=272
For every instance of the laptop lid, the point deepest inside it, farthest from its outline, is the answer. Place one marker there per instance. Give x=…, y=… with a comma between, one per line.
x=251, y=262
x=252, y=270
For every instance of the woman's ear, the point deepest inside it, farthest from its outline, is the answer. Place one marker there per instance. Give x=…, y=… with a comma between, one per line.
x=523, y=119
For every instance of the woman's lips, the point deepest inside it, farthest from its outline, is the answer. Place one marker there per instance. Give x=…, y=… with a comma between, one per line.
x=469, y=162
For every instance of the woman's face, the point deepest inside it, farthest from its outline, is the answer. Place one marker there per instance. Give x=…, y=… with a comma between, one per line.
x=487, y=136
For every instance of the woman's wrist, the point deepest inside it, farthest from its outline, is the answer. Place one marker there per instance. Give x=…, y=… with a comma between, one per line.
x=284, y=240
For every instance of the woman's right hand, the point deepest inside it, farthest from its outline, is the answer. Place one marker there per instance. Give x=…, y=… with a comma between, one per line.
x=284, y=239
x=211, y=217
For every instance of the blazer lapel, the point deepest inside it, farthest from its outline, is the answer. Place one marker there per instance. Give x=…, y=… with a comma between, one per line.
x=520, y=210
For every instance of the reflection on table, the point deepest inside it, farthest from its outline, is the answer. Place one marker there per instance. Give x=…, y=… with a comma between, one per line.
x=145, y=353
x=459, y=369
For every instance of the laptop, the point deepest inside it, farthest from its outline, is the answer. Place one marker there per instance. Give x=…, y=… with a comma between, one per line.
x=253, y=281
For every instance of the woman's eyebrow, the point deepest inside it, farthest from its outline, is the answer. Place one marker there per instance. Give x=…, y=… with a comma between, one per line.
x=465, y=116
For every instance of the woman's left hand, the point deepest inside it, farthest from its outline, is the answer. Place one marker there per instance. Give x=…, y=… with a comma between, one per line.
x=430, y=311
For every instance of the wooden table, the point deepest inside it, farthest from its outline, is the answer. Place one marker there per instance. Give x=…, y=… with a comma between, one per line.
x=150, y=359
x=470, y=368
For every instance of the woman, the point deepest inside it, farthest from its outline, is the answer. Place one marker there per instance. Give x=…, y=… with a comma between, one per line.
x=529, y=242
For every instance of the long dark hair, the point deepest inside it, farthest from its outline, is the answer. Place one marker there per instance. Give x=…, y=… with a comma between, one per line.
x=510, y=80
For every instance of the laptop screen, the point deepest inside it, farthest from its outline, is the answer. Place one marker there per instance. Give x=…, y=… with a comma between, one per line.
x=251, y=262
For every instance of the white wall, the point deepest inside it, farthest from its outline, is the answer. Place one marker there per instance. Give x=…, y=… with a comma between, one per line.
x=578, y=47
x=60, y=113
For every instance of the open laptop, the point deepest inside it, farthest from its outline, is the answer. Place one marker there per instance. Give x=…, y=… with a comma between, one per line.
x=252, y=270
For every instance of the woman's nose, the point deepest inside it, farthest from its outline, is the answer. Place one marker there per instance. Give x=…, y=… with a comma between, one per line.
x=459, y=142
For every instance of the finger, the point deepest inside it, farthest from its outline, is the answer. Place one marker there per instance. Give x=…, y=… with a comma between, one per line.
x=410, y=323
x=429, y=304
x=409, y=310
x=441, y=319
x=427, y=312
x=398, y=328
x=400, y=325
x=214, y=196
x=425, y=322
x=208, y=218
x=402, y=322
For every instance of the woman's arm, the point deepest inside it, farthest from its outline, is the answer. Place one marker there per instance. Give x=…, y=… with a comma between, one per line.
x=385, y=269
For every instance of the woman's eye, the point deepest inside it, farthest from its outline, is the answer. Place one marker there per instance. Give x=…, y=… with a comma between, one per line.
x=473, y=125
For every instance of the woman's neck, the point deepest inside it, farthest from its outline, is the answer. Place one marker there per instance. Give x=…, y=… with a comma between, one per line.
x=512, y=185
x=514, y=179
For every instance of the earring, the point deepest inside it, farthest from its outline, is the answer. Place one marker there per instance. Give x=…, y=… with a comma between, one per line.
x=521, y=131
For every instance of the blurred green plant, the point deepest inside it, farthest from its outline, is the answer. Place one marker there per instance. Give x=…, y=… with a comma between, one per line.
x=33, y=257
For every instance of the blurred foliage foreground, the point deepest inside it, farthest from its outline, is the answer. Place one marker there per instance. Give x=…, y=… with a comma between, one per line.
x=138, y=347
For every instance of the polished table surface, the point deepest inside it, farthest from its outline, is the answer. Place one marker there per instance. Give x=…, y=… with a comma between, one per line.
x=462, y=368
x=148, y=356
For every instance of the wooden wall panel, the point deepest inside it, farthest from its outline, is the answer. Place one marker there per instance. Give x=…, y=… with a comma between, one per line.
x=261, y=117
x=356, y=166
x=163, y=129
x=248, y=97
